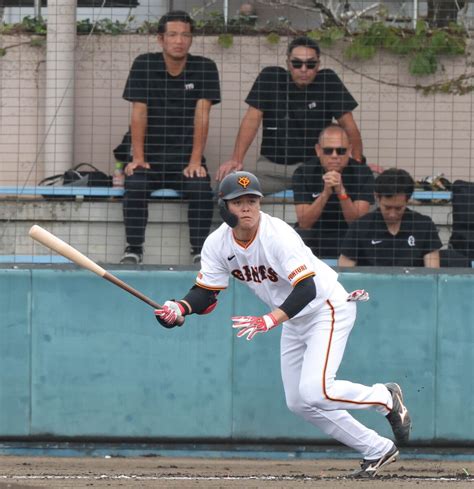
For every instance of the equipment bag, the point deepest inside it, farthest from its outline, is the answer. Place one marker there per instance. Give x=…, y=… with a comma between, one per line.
x=76, y=178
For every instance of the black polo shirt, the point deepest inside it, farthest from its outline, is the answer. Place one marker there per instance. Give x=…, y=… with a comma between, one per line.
x=171, y=102
x=293, y=117
x=369, y=242
x=329, y=230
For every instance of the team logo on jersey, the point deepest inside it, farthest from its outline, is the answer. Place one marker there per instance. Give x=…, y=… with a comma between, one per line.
x=255, y=274
x=244, y=181
x=312, y=105
x=189, y=86
x=411, y=240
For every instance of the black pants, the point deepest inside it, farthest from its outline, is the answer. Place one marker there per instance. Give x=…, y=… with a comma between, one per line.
x=142, y=183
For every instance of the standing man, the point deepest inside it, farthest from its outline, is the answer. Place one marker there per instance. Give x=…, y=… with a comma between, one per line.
x=171, y=93
x=316, y=313
x=392, y=235
x=294, y=106
x=330, y=192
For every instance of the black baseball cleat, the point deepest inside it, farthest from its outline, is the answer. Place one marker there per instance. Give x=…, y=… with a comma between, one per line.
x=133, y=255
x=398, y=417
x=369, y=468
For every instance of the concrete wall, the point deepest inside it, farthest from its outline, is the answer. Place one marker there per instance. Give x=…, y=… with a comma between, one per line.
x=400, y=126
x=96, y=228
x=81, y=358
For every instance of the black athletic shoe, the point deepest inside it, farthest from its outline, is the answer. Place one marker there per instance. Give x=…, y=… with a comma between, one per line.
x=369, y=468
x=133, y=255
x=398, y=417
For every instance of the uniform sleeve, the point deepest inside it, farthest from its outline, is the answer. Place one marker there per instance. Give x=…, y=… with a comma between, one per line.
x=295, y=260
x=338, y=97
x=213, y=274
x=211, y=87
x=365, y=184
x=350, y=243
x=264, y=91
x=432, y=241
x=136, y=88
x=301, y=183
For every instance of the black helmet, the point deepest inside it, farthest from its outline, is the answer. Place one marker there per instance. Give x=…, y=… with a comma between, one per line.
x=239, y=183
x=235, y=185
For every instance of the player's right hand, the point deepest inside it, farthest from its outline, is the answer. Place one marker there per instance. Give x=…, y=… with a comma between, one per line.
x=170, y=315
x=134, y=165
x=228, y=167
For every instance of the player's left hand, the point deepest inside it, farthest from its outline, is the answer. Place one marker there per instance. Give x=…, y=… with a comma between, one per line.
x=194, y=170
x=251, y=325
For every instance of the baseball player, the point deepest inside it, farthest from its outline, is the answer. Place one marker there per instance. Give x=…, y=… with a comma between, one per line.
x=315, y=312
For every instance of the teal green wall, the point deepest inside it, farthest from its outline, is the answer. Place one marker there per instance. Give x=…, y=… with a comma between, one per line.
x=81, y=358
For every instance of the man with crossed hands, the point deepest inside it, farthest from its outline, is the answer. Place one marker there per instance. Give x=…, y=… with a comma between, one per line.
x=331, y=191
x=315, y=311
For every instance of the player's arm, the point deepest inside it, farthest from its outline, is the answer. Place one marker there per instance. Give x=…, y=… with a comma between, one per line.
x=349, y=124
x=432, y=260
x=247, y=132
x=344, y=261
x=301, y=295
x=197, y=301
x=138, y=128
x=201, y=131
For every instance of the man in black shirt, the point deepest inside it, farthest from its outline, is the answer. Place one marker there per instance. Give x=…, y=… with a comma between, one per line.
x=172, y=93
x=293, y=106
x=331, y=191
x=392, y=235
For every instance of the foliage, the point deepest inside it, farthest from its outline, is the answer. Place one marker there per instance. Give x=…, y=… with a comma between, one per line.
x=226, y=40
x=423, y=46
x=273, y=38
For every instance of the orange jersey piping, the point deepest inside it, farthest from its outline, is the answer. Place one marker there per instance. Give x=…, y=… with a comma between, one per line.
x=208, y=287
x=247, y=244
x=333, y=320
x=310, y=274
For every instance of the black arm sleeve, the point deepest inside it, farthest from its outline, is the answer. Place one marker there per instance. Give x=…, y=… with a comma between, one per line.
x=302, y=294
x=199, y=299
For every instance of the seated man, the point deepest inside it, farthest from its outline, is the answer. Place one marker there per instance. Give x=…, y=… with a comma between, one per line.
x=392, y=235
x=330, y=192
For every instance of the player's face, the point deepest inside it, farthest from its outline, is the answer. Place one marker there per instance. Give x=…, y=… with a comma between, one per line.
x=176, y=41
x=247, y=209
x=392, y=208
x=303, y=63
x=330, y=149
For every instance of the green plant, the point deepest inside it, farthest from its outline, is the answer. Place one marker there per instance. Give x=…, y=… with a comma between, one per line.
x=423, y=45
x=225, y=40
x=273, y=38
x=36, y=25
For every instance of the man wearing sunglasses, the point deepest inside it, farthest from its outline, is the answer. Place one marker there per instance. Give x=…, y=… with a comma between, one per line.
x=293, y=106
x=331, y=191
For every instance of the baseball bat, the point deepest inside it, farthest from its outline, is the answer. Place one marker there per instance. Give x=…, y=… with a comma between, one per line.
x=59, y=246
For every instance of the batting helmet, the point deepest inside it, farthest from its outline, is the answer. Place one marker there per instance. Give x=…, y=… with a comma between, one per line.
x=235, y=185
x=239, y=183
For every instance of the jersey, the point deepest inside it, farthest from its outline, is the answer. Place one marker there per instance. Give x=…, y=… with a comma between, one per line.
x=271, y=264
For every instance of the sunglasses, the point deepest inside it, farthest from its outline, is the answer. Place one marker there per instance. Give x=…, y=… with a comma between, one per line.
x=330, y=151
x=298, y=63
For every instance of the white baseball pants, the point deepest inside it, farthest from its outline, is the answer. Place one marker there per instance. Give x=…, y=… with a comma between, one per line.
x=312, y=348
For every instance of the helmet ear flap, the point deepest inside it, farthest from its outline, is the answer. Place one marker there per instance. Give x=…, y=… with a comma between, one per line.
x=227, y=216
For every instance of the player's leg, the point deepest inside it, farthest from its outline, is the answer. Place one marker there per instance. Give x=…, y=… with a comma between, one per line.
x=326, y=341
x=339, y=425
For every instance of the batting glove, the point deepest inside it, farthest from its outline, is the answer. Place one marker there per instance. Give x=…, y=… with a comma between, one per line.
x=358, y=295
x=170, y=315
x=251, y=325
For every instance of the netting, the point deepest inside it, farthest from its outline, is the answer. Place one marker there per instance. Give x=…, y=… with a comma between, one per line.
x=63, y=78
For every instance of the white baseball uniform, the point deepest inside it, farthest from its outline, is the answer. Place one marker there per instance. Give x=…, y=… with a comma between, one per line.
x=313, y=341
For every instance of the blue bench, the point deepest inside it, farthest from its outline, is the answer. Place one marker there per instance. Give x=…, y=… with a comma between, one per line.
x=43, y=259
x=60, y=191
x=417, y=195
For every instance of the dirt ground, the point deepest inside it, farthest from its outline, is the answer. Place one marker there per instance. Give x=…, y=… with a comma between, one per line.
x=183, y=473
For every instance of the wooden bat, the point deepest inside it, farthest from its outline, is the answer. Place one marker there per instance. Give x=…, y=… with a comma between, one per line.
x=59, y=246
